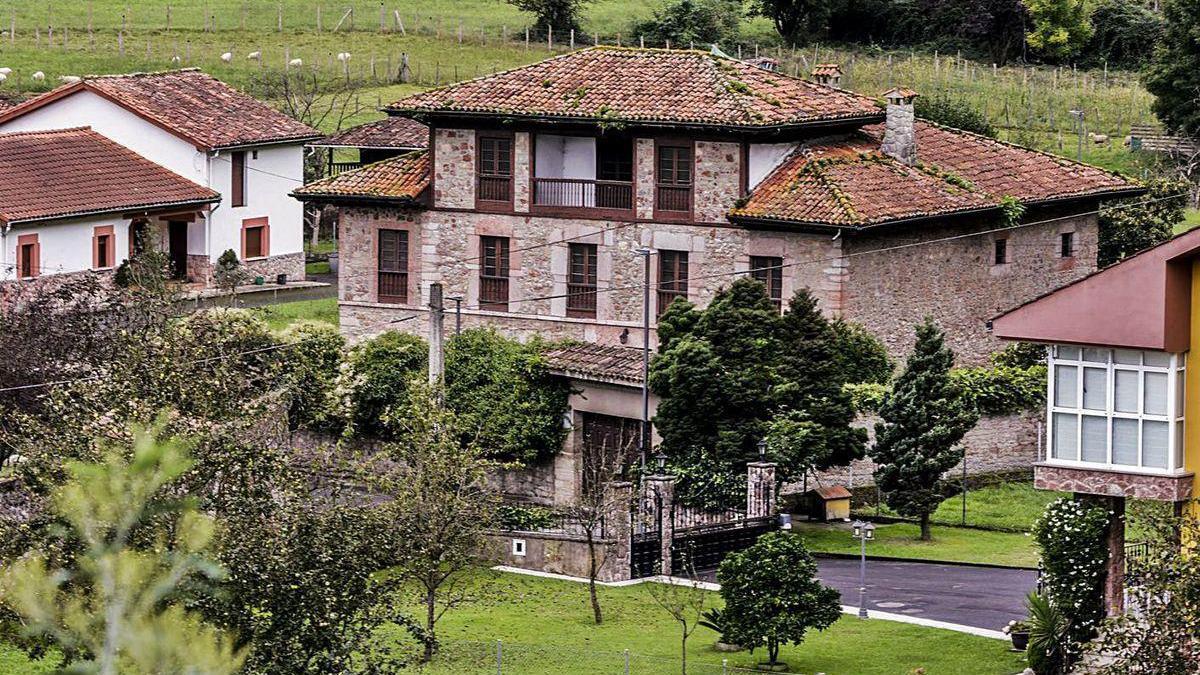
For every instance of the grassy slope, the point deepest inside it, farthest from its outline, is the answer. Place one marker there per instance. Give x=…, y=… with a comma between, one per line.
x=902, y=540
x=1008, y=506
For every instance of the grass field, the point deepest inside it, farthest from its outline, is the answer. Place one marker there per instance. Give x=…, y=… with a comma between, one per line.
x=902, y=540
x=285, y=314
x=1006, y=506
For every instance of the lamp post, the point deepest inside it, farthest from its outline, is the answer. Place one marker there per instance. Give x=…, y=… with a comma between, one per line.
x=863, y=531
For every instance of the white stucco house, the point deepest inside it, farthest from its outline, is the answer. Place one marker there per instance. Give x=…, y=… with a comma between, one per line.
x=210, y=134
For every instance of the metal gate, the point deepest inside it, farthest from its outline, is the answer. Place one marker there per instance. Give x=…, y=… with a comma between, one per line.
x=703, y=548
x=645, y=527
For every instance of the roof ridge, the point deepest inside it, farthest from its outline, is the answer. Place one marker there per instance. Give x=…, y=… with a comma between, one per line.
x=142, y=73
x=48, y=132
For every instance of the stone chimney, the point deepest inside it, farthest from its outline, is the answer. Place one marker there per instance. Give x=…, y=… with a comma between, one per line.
x=900, y=134
x=828, y=74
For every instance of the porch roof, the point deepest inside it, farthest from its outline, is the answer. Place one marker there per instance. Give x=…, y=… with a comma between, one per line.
x=391, y=133
x=593, y=362
x=402, y=179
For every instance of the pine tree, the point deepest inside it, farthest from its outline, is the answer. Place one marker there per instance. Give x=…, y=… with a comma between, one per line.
x=924, y=418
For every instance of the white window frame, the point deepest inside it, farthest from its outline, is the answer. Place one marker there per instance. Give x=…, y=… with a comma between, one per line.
x=1174, y=417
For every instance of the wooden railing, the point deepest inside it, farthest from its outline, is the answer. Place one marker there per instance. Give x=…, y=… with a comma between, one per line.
x=666, y=297
x=581, y=300
x=393, y=287
x=674, y=198
x=583, y=193
x=495, y=188
x=336, y=168
x=493, y=293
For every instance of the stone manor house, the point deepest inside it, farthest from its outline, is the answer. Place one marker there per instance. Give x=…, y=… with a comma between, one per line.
x=543, y=191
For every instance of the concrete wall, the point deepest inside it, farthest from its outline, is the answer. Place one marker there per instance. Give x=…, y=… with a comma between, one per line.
x=763, y=158
x=557, y=554
x=66, y=246
x=276, y=171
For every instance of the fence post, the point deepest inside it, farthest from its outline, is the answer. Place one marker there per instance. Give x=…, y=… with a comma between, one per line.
x=626, y=662
x=760, y=489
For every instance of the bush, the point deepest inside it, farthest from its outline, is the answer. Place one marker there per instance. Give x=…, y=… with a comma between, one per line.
x=375, y=378
x=502, y=392
x=1003, y=390
x=524, y=518
x=682, y=22
x=313, y=362
x=561, y=15
x=1122, y=31
x=1072, y=536
x=858, y=355
x=867, y=397
x=954, y=112
x=1135, y=224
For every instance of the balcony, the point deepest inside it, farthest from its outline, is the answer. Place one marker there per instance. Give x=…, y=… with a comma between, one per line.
x=393, y=287
x=495, y=188
x=583, y=193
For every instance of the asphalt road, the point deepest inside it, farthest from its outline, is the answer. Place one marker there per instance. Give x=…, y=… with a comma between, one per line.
x=983, y=597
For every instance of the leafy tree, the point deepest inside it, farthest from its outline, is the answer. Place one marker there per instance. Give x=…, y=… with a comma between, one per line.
x=229, y=273
x=1121, y=33
x=1174, y=72
x=772, y=596
x=561, y=15
x=923, y=420
x=1132, y=225
x=686, y=21
x=954, y=112
x=1060, y=28
x=115, y=607
x=315, y=356
x=1072, y=536
x=795, y=20
x=858, y=355
x=684, y=601
x=438, y=504
x=504, y=397
x=376, y=379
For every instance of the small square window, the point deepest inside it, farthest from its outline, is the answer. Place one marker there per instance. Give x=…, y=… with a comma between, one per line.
x=1001, y=252
x=1067, y=244
x=518, y=547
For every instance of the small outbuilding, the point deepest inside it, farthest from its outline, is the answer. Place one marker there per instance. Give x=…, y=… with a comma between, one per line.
x=827, y=503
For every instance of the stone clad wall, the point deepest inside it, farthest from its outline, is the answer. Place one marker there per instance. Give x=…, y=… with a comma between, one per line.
x=454, y=168
x=718, y=180
x=956, y=281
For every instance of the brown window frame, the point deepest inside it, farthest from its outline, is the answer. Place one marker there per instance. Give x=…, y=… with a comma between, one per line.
x=104, y=247
x=493, y=172
x=494, y=270
x=28, y=243
x=582, y=280
x=663, y=184
x=769, y=271
x=262, y=224
x=237, y=178
x=676, y=263
x=1066, y=244
x=1000, y=252
x=392, y=275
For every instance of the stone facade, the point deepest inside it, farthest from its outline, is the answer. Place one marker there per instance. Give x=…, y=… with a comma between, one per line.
x=454, y=168
x=291, y=264
x=718, y=180
x=1113, y=483
x=899, y=134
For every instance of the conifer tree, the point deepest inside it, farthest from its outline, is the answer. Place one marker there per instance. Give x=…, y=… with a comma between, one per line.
x=924, y=418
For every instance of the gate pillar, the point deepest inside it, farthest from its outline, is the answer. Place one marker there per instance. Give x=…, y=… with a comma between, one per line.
x=760, y=489
x=662, y=489
x=622, y=567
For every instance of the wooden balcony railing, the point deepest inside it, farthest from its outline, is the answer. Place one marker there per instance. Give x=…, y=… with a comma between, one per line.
x=583, y=193
x=336, y=168
x=393, y=287
x=674, y=198
x=493, y=293
x=495, y=188
x=666, y=297
x=581, y=301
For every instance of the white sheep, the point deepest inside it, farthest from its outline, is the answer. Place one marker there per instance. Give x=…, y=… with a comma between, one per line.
x=69, y=79
x=296, y=63
x=38, y=76
x=3, y=77
x=254, y=56
x=6, y=71
x=343, y=56
x=227, y=57
x=175, y=59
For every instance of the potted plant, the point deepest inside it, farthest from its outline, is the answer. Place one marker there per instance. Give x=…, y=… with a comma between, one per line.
x=1018, y=632
x=714, y=619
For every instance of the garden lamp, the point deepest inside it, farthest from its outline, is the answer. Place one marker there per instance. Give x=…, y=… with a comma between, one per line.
x=762, y=449
x=661, y=460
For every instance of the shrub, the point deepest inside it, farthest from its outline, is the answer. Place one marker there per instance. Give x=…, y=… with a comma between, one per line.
x=1132, y=225
x=313, y=361
x=954, y=112
x=682, y=22
x=524, y=518
x=1002, y=390
x=1072, y=536
x=228, y=272
x=858, y=355
x=375, y=379
x=867, y=397
x=561, y=15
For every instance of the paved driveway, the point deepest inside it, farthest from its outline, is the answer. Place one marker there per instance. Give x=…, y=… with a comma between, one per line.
x=983, y=597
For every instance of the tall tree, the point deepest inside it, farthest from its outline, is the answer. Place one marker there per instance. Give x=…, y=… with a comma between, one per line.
x=923, y=419
x=1061, y=28
x=115, y=608
x=1129, y=226
x=561, y=15
x=1174, y=73
x=796, y=21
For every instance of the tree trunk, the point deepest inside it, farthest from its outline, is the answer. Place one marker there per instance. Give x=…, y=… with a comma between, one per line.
x=772, y=651
x=925, y=534
x=430, y=605
x=683, y=651
x=592, y=579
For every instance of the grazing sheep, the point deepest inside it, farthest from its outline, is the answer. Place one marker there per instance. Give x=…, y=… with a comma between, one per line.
x=69, y=79
x=5, y=71
x=296, y=63
x=227, y=57
x=343, y=56
x=175, y=59
x=3, y=77
x=254, y=56
x=1099, y=139
x=38, y=76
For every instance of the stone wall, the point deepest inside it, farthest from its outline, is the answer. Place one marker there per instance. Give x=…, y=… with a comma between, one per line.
x=454, y=168
x=557, y=554
x=956, y=281
x=718, y=182
x=291, y=264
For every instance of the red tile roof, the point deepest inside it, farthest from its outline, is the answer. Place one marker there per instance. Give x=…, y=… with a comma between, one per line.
x=847, y=182
x=397, y=179
x=386, y=134
x=188, y=103
x=647, y=86
x=588, y=361
x=55, y=174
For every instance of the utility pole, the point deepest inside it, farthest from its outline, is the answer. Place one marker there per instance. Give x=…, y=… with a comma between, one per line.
x=644, y=441
x=437, y=317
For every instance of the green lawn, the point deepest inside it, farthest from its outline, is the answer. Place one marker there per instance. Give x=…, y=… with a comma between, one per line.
x=902, y=540
x=285, y=314
x=1005, y=506
x=1191, y=219
x=317, y=268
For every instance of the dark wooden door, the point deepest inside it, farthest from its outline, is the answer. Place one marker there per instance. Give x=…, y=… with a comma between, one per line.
x=177, y=233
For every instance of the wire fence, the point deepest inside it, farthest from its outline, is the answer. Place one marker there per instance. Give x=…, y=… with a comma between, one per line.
x=504, y=658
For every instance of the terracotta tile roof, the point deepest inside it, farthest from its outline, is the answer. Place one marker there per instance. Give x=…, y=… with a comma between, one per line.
x=827, y=69
x=847, y=182
x=400, y=179
x=54, y=174
x=588, y=361
x=393, y=132
x=649, y=86
x=1003, y=169
x=188, y=103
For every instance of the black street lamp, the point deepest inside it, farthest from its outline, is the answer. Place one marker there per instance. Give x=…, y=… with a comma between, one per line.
x=863, y=532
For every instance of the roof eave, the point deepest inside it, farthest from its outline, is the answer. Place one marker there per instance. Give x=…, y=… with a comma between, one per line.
x=359, y=200
x=297, y=140
x=146, y=209
x=402, y=148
